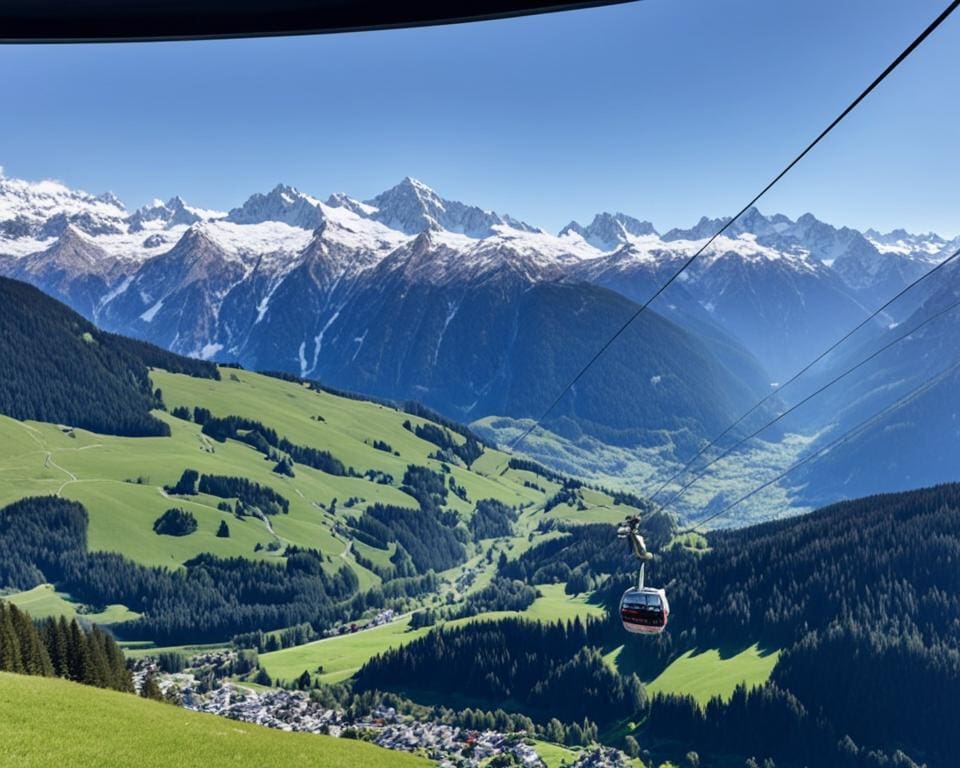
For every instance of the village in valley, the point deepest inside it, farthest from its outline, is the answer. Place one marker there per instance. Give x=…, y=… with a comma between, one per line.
x=201, y=687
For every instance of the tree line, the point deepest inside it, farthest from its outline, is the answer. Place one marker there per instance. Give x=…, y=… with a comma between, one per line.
x=468, y=451
x=429, y=544
x=60, y=648
x=499, y=595
x=249, y=492
x=492, y=519
x=266, y=440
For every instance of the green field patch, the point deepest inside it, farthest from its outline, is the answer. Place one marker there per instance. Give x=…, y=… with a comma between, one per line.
x=553, y=754
x=556, y=605
x=43, y=602
x=339, y=656
x=704, y=674
x=380, y=557
x=46, y=722
x=131, y=531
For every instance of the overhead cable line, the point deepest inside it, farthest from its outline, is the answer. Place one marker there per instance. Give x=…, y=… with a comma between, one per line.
x=833, y=124
x=702, y=471
x=848, y=435
x=780, y=387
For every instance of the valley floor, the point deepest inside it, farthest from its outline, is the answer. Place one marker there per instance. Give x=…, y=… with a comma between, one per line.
x=641, y=470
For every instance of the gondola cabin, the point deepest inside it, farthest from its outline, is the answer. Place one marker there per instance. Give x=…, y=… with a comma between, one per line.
x=644, y=611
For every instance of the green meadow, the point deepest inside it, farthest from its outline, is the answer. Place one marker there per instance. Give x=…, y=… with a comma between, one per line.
x=704, y=674
x=120, y=480
x=43, y=601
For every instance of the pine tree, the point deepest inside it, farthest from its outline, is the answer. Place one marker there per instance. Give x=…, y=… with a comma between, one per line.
x=62, y=648
x=34, y=656
x=10, y=660
x=98, y=673
x=150, y=689
x=78, y=654
x=574, y=736
x=262, y=677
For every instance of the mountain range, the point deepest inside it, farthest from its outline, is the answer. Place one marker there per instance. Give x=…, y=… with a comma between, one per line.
x=410, y=295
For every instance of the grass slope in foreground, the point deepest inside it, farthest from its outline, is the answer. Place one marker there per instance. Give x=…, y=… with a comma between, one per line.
x=46, y=722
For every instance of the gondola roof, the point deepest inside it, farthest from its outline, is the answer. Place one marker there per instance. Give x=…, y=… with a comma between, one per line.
x=75, y=21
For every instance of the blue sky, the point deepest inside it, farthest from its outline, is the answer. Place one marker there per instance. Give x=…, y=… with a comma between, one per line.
x=665, y=109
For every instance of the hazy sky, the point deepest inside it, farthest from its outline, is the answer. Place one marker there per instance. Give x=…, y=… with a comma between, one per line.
x=665, y=109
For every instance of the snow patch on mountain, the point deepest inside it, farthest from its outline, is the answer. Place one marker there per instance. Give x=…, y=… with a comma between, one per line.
x=268, y=237
x=35, y=202
x=151, y=313
x=318, y=342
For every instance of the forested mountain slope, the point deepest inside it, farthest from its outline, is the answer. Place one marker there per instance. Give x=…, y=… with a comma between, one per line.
x=496, y=331
x=60, y=368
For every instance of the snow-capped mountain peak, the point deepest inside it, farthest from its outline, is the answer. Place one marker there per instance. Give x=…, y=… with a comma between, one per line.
x=899, y=241
x=412, y=207
x=284, y=204
x=609, y=231
x=32, y=213
x=343, y=200
x=111, y=199
x=144, y=272
x=173, y=213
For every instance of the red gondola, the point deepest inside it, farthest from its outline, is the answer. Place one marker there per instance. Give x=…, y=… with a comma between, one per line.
x=643, y=610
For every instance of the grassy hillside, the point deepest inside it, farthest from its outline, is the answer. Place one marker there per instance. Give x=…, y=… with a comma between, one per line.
x=46, y=722
x=121, y=481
